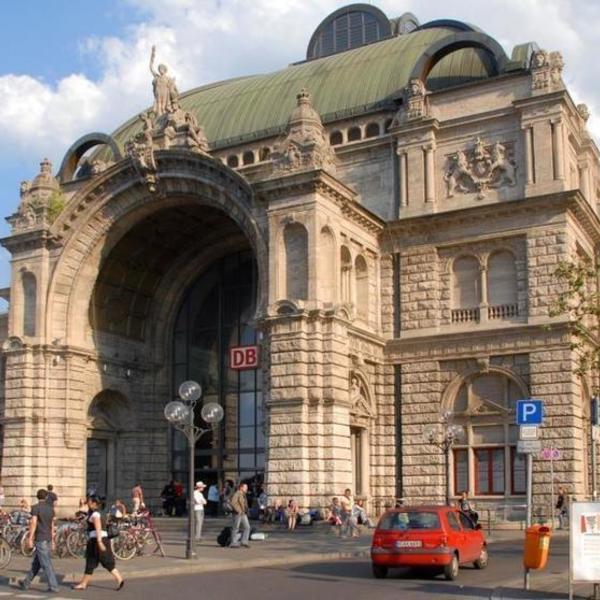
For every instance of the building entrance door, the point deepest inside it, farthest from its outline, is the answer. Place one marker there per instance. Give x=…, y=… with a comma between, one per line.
x=97, y=466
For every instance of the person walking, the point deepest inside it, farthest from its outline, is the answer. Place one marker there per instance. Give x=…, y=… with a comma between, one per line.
x=561, y=506
x=98, y=549
x=213, y=500
x=52, y=498
x=137, y=498
x=292, y=514
x=239, y=508
x=41, y=538
x=346, y=504
x=199, y=503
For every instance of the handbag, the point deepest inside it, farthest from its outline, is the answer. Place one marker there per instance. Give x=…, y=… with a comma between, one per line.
x=112, y=531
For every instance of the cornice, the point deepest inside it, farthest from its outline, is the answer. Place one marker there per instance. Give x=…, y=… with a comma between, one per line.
x=322, y=183
x=561, y=202
x=30, y=240
x=474, y=343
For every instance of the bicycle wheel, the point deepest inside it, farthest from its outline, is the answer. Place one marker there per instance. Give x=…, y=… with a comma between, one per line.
x=76, y=543
x=24, y=547
x=124, y=546
x=5, y=553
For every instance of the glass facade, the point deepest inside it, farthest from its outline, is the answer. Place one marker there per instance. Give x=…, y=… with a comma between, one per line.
x=217, y=314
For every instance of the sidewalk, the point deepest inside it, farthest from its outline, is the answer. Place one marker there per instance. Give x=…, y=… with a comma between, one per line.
x=313, y=543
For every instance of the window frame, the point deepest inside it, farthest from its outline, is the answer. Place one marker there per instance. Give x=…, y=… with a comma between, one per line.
x=490, y=450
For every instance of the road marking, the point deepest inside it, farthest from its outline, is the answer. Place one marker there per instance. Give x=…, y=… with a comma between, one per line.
x=32, y=596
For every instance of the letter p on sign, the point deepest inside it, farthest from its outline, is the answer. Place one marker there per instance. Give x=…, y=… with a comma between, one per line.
x=243, y=357
x=530, y=412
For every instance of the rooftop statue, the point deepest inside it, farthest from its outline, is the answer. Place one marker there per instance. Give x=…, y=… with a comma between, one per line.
x=166, y=96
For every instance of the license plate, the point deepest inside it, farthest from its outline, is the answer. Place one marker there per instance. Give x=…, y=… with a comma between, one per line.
x=409, y=544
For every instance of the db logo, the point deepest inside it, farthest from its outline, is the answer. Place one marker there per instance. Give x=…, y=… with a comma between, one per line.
x=243, y=357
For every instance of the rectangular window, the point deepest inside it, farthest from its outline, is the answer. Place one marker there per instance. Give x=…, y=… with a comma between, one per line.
x=518, y=472
x=489, y=471
x=461, y=471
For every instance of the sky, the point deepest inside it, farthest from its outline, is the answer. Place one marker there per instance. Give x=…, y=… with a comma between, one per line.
x=69, y=67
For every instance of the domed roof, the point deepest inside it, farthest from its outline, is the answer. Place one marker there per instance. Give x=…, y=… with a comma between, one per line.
x=341, y=85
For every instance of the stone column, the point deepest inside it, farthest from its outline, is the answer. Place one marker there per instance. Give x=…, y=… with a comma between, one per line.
x=429, y=173
x=558, y=157
x=403, y=177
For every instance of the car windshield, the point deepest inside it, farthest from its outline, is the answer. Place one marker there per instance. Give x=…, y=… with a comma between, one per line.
x=410, y=520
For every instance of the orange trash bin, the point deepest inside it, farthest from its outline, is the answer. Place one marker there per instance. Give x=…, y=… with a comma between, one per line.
x=537, y=546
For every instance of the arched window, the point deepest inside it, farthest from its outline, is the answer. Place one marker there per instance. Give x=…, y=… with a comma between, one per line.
x=346, y=274
x=354, y=134
x=233, y=161
x=372, y=130
x=466, y=289
x=248, y=157
x=29, y=303
x=295, y=240
x=327, y=265
x=265, y=153
x=502, y=285
x=362, y=288
x=486, y=462
x=336, y=138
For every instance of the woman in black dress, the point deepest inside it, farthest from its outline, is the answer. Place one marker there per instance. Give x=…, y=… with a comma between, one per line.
x=98, y=550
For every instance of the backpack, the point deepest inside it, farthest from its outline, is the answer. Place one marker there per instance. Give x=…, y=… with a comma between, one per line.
x=224, y=538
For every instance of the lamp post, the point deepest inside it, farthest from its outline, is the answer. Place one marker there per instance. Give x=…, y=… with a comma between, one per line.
x=180, y=413
x=450, y=434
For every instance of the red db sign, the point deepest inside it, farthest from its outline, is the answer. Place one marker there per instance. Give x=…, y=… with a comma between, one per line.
x=243, y=357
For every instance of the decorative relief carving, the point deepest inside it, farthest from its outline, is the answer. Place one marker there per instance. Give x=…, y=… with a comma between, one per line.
x=360, y=404
x=584, y=112
x=305, y=145
x=415, y=105
x=546, y=70
x=481, y=168
x=40, y=199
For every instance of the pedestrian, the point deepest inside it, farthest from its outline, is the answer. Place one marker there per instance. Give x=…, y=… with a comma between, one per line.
x=213, y=500
x=137, y=498
x=263, y=505
x=239, y=507
x=179, y=499
x=199, y=502
x=561, y=506
x=335, y=512
x=346, y=504
x=2, y=498
x=168, y=498
x=359, y=513
x=228, y=491
x=98, y=549
x=292, y=514
x=52, y=498
x=464, y=504
x=41, y=538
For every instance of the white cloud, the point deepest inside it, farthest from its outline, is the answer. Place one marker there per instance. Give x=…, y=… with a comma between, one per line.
x=208, y=40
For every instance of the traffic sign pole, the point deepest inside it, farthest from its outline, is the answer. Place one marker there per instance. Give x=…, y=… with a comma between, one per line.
x=529, y=508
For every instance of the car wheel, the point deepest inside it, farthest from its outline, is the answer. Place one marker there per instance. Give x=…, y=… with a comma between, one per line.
x=482, y=561
x=451, y=569
x=379, y=572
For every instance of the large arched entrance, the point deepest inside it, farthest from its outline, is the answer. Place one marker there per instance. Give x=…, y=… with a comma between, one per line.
x=218, y=313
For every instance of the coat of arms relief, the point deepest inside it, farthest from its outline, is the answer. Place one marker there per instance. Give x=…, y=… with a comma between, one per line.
x=480, y=168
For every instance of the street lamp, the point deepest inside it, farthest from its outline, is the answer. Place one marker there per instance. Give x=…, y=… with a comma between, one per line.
x=180, y=413
x=450, y=434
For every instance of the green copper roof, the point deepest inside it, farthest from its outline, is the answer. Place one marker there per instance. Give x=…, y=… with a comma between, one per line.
x=352, y=82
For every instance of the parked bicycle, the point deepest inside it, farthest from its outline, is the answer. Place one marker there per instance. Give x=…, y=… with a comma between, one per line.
x=137, y=534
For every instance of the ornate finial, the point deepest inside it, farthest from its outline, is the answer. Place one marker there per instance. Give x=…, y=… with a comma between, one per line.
x=584, y=112
x=305, y=145
x=414, y=104
x=546, y=70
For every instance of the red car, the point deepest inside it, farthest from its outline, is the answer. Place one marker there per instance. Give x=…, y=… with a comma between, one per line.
x=440, y=537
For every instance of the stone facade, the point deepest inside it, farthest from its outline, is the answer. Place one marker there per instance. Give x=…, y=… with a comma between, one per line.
x=404, y=264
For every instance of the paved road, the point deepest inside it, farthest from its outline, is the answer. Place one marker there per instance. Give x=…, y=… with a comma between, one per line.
x=348, y=579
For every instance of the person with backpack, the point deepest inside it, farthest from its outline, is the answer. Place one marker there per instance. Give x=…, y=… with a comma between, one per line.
x=239, y=507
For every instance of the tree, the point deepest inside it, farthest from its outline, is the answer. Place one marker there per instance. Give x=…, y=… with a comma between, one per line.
x=579, y=301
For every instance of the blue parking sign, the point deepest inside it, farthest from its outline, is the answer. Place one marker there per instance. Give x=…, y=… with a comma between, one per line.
x=530, y=412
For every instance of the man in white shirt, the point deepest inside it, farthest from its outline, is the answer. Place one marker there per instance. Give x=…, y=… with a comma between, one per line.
x=199, y=502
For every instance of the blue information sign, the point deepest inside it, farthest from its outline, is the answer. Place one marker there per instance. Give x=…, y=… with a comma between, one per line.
x=530, y=412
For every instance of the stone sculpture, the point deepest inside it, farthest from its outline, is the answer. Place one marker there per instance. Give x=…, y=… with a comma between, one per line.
x=480, y=169
x=166, y=96
x=546, y=70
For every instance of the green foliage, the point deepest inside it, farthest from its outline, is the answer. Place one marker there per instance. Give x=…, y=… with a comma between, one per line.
x=56, y=203
x=579, y=301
